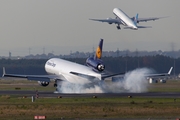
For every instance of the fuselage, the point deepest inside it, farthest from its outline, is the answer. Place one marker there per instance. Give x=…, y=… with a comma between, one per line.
x=62, y=68
x=126, y=20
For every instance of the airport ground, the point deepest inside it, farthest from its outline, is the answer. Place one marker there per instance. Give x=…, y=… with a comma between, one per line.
x=20, y=106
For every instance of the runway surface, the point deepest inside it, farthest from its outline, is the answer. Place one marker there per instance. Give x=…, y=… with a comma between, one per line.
x=52, y=94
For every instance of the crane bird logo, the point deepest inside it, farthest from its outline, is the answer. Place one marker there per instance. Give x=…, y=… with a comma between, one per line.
x=98, y=53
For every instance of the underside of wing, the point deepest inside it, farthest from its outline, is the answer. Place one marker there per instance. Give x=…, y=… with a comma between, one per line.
x=156, y=75
x=144, y=26
x=161, y=74
x=45, y=78
x=149, y=19
x=138, y=27
x=108, y=20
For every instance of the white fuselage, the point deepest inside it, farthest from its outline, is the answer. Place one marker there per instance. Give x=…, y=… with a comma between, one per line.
x=62, y=68
x=126, y=20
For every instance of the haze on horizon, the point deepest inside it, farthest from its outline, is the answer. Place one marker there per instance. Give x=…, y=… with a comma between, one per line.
x=64, y=26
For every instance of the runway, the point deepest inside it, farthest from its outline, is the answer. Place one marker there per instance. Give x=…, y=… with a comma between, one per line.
x=103, y=95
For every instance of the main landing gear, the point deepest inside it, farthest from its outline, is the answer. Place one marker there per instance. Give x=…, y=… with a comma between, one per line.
x=118, y=27
x=55, y=83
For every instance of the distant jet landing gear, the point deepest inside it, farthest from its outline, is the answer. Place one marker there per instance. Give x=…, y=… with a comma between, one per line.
x=118, y=27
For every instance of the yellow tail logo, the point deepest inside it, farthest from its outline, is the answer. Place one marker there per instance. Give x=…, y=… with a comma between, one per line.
x=98, y=53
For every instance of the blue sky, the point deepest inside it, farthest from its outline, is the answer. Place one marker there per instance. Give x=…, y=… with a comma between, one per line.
x=61, y=26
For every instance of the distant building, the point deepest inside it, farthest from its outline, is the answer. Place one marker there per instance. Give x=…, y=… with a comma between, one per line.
x=9, y=55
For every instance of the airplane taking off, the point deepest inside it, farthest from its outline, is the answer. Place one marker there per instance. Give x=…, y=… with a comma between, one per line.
x=124, y=19
x=61, y=70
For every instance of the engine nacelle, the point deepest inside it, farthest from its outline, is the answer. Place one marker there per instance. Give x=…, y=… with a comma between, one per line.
x=100, y=67
x=109, y=19
x=43, y=83
x=95, y=64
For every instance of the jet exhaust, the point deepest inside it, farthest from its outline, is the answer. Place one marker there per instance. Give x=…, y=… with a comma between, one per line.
x=133, y=82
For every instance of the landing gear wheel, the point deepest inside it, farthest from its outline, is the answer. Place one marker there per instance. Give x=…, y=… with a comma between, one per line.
x=55, y=84
x=118, y=27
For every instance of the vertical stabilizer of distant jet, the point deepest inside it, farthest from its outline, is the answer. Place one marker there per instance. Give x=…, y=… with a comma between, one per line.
x=98, y=53
x=136, y=19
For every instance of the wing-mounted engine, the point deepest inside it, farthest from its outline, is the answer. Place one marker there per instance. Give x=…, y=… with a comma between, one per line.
x=96, y=64
x=43, y=83
x=109, y=19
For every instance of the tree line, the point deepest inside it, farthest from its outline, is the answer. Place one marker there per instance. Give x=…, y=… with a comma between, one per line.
x=159, y=63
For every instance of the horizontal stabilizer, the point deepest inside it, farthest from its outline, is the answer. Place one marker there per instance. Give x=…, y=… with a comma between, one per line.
x=83, y=75
x=111, y=75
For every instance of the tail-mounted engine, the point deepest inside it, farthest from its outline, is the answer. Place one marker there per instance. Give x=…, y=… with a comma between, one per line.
x=95, y=64
x=43, y=83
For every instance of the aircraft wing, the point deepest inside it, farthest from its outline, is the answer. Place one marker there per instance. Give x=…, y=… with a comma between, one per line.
x=108, y=20
x=138, y=27
x=45, y=78
x=161, y=74
x=149, y=75
x=148, y=19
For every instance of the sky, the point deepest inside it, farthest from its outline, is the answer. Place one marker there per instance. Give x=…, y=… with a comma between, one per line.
x=63, y=26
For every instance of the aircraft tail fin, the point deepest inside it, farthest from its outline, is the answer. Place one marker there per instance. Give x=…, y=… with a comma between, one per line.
x=136, y=19
x=98, y=53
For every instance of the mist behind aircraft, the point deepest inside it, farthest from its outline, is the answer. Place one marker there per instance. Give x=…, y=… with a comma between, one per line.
x=133, y=82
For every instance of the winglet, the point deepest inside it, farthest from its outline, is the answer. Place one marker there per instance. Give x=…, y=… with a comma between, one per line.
x=4, y=71
x=98, y=53
x=170, y=71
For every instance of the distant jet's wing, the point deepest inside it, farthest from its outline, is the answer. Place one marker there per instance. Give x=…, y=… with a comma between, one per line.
x=144, y=26
x=161, y=74
x=138, y=27
x=108, y=20
x=148, y=19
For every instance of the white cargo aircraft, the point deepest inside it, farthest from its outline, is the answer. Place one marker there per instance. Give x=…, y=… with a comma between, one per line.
x=61, y=70
x=124, y=19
